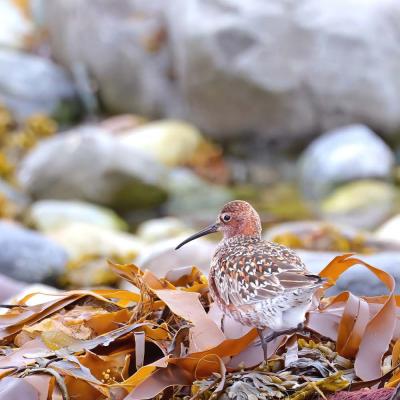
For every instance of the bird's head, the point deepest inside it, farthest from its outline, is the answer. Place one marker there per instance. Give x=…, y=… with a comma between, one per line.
x=236, y=218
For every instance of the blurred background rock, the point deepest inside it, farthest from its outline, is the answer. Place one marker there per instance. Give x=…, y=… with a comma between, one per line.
x=126, y=124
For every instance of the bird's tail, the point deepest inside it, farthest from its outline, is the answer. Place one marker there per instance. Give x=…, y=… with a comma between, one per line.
x=318, y=279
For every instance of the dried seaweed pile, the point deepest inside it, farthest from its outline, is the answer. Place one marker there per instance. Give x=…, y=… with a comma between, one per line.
x=164, y=340
x=17, y=139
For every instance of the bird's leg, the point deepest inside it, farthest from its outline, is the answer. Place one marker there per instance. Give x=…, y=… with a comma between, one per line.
x=300, y=327
x=274, y=335
x=223, y=323
x=264, y=343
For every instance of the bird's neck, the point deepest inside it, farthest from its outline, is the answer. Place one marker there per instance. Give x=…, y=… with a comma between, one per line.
x=239, y=238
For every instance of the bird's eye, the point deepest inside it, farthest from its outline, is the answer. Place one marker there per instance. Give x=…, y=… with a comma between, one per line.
x=226, y=217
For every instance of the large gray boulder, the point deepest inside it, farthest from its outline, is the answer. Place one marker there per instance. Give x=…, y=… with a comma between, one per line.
x=31, y=84
x=89, y=164
x=191, y=196
x=29, y=256
x=278, y=69
x=121, y=44
x=343, y=155
x=287, y=68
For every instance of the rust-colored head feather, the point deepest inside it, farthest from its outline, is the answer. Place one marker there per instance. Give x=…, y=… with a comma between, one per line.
x=239, y=218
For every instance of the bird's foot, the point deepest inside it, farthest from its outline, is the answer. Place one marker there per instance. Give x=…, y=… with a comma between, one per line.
x=269, y=338
x=301, y=326
x=264, y=343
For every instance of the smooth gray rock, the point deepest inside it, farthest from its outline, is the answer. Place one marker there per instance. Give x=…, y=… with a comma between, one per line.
x=162, y=257
x=171, y=142
x=390, y=230
x=350, y=153
x=279, y=70
x=9, y=288
x=48, y=215
x=308, y=228
x=363, y=204
x=89, y=164
x=122, y=46
x=157, y=229
x=85, y=241
x=31, y=84
x=287, y=68
x=191, y=196
x=29, y=256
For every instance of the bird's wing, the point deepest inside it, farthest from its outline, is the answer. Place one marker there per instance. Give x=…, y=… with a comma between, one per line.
x=260, y=272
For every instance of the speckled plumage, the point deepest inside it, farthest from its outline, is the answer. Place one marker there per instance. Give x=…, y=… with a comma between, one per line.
x=259, y=283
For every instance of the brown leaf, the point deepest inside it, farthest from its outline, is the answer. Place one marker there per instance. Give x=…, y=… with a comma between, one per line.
x=42, y=384
x=17, y=358
x=183, y=371
x=358, y=334
x=17, y=389
x=205, y=333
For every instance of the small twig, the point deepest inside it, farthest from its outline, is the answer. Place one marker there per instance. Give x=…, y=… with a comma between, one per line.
x=50, y=371
x=51, y=361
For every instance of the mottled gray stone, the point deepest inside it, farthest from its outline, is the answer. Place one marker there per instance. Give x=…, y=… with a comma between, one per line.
x=281, y=69
x=188, y=193
x=31, y=84
x=287, y=68
x=29, y=256
x=121, y=44
x=89, y=164
x=9, y=288
x=349, y=153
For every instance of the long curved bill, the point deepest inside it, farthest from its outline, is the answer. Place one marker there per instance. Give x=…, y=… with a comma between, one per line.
x=206, y=231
